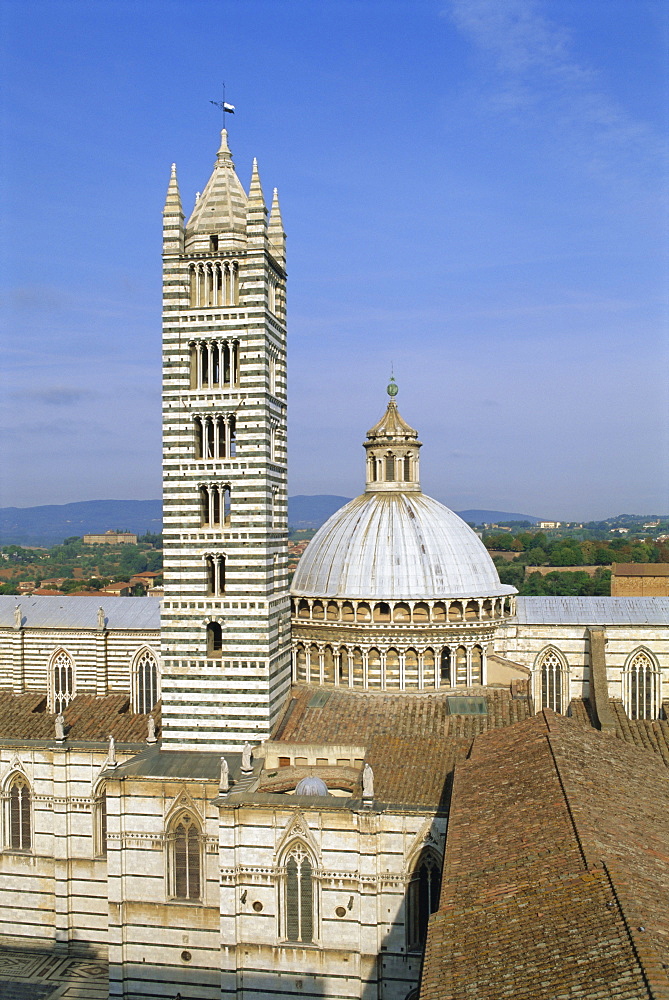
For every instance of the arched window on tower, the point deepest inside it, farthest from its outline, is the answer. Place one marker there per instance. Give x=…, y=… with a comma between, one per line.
x=390, y=468
x=20, y=820
x=145, y=688
x=198, y=438
x=232, y=425
x=299, y=895
x=215, y=573
x=62, y=681
x=407, y=469
x=552, y=677
x=422, y=898
x=185, y=858
x=214, y=640
x=641, y=687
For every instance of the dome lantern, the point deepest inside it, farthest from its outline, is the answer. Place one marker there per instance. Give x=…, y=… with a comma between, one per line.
x=392, y=452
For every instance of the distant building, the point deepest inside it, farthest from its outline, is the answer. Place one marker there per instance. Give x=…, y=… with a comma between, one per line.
x=549, y=524
x=120, y=589
x=640, y=580
x=111, y=538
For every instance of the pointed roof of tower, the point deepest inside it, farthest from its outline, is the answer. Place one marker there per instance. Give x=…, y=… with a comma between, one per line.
x=222, y=206
x=275, y=231
x=391, y=427
x=256, y=197
x=256, y=209
x=173, y=199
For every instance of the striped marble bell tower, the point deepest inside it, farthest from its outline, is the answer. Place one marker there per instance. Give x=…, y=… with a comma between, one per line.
x=225, y=619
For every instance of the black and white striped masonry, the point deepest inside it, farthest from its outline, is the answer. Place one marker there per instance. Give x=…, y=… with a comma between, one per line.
x=225, y=618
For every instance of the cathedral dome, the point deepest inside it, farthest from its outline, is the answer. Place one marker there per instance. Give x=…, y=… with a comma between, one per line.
x=311, y=785
x=393, y=542
x=396, y=545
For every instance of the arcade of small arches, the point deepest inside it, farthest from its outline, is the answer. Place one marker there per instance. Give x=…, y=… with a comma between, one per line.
x=215, y=436
x=455, y=610
x=214, y=364
x=214, y=283
x=383, y=668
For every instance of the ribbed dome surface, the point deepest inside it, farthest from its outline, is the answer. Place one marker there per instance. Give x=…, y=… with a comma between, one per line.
x=390, y=546
x=311, y=785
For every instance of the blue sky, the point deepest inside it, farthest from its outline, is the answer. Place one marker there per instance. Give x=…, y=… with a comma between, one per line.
x=474, y=191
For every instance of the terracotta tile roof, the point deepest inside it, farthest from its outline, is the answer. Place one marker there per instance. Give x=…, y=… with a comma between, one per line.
x=556, y=876
x=24, y=717
x=651, y=735
x=412, y=741
x=580, y=711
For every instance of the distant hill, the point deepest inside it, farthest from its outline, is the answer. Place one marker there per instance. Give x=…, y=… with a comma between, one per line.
x=311, y=512
x=494, y=516
x=50, y=524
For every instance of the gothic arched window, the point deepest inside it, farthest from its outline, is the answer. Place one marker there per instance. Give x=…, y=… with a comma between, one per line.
x=185, y=859
x=641, y=687
x=552, y=673
x=20, y=826
x=422, y=898
x=145, y=682
x=299, y=896
x=62, y=681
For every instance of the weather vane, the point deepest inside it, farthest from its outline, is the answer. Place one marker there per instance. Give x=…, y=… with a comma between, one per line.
x=227, y=109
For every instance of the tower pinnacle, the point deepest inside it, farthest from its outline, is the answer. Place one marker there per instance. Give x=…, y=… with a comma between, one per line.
x=275, y=233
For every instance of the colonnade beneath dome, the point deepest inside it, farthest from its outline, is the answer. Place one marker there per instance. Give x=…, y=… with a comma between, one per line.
x=416, y=668
x=404, y=612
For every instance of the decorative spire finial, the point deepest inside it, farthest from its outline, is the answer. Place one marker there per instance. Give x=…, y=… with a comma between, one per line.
x=392, y=388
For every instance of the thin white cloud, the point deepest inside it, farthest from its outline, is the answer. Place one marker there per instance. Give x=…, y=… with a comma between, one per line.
x=536, y=75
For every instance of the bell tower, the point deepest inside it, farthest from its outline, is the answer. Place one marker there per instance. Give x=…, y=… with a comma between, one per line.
x=225, y=622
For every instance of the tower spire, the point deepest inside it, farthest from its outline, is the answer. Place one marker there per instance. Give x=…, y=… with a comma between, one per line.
x=275, y=232
x=221, y=210
x=173, y=216
x=256, y=209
